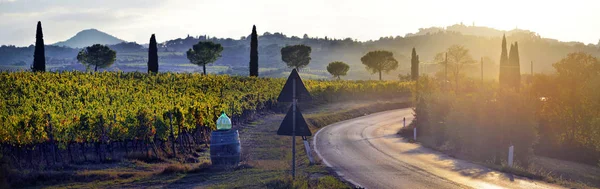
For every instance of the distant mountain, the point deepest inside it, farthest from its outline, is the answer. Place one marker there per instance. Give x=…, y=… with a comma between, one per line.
x=89, y=37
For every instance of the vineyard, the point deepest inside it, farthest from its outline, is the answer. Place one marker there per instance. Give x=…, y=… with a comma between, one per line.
x=60, y=117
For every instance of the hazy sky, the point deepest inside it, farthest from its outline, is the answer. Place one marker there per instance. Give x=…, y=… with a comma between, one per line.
x=136, y=20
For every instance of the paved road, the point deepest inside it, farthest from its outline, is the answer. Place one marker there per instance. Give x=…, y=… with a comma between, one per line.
x=367, y=152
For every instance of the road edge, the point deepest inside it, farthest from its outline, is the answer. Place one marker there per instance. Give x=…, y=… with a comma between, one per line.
x=316, y=149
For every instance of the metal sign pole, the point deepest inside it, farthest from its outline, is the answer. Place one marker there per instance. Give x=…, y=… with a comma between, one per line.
x=292, y=124
x=294, y=128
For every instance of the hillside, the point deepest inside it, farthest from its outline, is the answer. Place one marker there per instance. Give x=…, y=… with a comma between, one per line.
x=481, y=41
x=89, y=37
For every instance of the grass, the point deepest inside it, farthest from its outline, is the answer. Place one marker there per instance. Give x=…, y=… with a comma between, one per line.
x=183, y=168
x=317, y=121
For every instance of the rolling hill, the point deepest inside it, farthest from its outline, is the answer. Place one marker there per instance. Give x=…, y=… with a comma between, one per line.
x=89, y=37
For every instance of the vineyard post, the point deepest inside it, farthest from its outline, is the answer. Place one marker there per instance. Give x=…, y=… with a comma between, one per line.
x=112, y=154
x=172, y=135
x=154, y=139
x=51, y=137
x=101, y=141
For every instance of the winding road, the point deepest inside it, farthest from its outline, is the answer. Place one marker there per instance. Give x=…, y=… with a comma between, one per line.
x=367, y=152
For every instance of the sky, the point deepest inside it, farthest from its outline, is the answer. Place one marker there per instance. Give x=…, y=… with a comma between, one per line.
x=136, y=20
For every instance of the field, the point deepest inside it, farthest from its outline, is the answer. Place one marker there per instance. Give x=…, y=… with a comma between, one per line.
x=78, y=125
x=50, y=119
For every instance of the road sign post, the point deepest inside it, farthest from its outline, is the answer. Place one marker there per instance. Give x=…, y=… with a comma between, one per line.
x=293, y=91
x=294, y=128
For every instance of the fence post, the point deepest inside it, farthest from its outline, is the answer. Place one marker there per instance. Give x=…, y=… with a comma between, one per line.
x=172, y=135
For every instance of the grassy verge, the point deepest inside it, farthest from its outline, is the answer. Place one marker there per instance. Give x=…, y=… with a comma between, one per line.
x=319, y=120
x=266, y=160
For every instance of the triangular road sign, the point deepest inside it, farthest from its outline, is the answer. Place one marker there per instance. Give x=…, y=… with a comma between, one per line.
x=286, y=125
x=287, y=92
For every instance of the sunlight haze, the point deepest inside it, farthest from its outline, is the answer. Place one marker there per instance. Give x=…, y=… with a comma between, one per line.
x=363, y=20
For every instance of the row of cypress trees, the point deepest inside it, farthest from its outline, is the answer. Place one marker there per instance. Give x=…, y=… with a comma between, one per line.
x=510, y=66
x=39, y=55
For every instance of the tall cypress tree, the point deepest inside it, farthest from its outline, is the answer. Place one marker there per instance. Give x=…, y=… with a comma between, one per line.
x=414, y=65
x=502, y=78
x=39, y=55
x=510, y=82
x=516, y=68
x=254, y=52
x=153, y=55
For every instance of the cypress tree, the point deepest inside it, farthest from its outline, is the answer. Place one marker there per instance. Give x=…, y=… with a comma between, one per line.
x=516, y=66
x=254, y=52
x=511, y=76
x=39, y=55
x=502, y=78
x=414, y=65
x=153, y=55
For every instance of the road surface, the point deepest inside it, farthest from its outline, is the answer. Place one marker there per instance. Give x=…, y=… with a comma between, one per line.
x=367, y=152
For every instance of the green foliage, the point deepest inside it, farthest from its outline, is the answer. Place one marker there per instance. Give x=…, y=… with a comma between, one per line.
x=296, y=56
x=456, y=59
x=137, y=105
x=338, y=69
x=379, y=61
x=569, y=114
x=97, y=55
x=481, y=125
x=557, y=115
x=39, y=55
x=203, y=53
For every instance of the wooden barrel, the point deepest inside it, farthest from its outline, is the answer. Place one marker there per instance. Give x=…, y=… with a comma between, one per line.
x=225, y=147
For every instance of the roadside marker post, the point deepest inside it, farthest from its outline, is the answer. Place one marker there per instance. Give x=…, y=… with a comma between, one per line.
x=404, y=122
x=415, y=134
x=294, y=124
x=307, y=148
x=511, y=150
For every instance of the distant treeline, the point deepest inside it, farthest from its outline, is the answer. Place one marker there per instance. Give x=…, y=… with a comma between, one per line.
x=482, y=43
